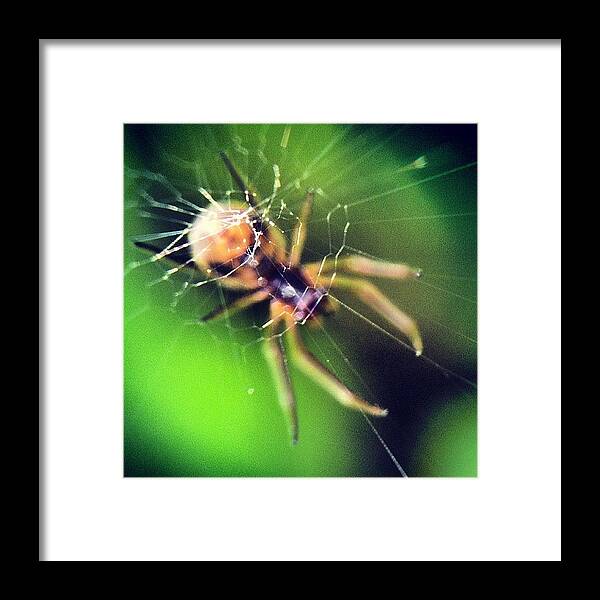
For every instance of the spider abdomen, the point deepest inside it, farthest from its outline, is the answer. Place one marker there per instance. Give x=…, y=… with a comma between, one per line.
x=220, y=235
x=227, y=240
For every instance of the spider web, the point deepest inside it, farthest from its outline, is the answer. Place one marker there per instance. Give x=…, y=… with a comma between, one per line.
x=349, y=208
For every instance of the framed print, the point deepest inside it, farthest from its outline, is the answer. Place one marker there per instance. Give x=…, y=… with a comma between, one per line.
x=300, y=300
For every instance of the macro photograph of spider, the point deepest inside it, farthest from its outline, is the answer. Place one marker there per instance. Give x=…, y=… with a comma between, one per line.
x=300, y=300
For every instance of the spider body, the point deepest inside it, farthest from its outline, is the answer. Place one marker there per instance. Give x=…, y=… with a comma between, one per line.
x=300, y=296
x=229, y=240
x=237, y=244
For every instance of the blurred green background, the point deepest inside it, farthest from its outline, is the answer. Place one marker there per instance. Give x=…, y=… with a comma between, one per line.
x=199, y=400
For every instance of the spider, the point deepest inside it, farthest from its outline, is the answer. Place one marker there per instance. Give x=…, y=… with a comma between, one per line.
x=232, y=242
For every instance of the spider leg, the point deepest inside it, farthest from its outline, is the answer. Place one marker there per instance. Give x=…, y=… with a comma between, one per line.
x=241, y=184
x=322, y=377
x=274, y=353
x=236, y=305
x=300, y=230
x=372, y=296
x=361, y=265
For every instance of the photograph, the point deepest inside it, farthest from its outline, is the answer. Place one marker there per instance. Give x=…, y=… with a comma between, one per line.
x=300, y=300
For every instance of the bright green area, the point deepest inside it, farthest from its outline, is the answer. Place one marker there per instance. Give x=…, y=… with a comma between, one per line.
x=199, y=400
